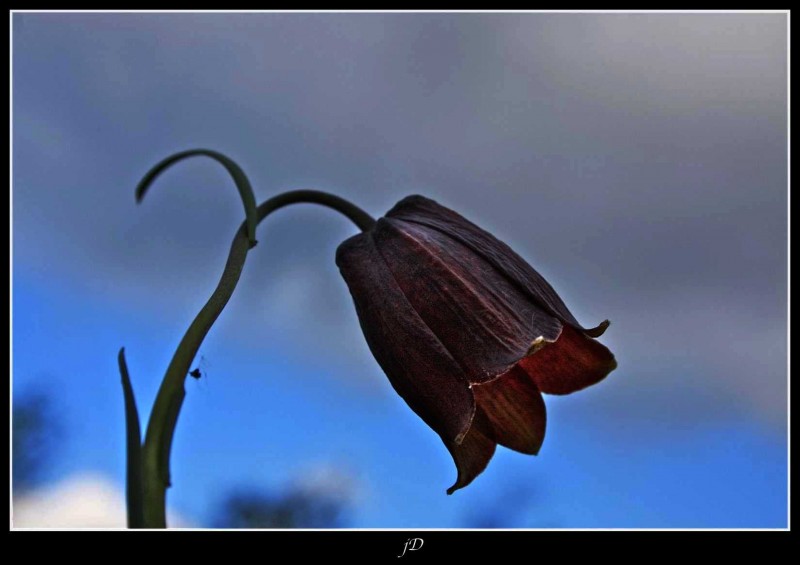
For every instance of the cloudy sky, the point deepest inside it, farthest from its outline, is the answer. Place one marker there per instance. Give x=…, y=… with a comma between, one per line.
x=637, y=161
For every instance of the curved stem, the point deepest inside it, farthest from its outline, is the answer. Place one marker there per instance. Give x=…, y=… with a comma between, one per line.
x=161, y=427
x=239, y=178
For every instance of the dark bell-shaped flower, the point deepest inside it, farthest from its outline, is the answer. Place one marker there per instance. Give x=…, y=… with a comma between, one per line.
x=467, y=332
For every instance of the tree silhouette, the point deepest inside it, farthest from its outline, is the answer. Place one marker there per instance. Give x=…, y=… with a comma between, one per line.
x=295, y=508
x=35, y=434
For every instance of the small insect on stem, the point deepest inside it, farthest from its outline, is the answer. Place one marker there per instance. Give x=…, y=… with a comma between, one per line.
x=198, y=372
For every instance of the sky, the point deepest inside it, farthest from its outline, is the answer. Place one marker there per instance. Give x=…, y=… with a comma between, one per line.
x=637, y=161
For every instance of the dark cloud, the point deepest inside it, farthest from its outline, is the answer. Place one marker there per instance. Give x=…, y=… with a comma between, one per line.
x=638, y=161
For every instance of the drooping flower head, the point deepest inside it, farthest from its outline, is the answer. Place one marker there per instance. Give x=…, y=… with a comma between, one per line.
x=468, y=333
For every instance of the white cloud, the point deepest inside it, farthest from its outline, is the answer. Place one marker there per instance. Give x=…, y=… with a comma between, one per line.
x=80, y=501
x=330, y=480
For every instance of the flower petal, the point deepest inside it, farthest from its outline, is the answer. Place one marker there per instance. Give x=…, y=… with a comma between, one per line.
x=598, y=330
x=426, y=212
x=571, y=363
x=471, y=456
x=514, y=409
x=419, y=367
x=485, y=322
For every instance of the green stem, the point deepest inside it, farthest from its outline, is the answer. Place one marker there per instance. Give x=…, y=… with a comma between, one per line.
x=161, y=427
x=239, y=178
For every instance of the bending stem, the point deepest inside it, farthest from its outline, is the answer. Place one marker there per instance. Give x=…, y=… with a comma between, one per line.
x=161, y=427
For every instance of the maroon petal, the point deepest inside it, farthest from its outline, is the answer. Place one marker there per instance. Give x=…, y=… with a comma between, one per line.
x=573, y=362
x=467, y=332
x=485, y=322
x=426, y=212
x=419, y=367
x=514, y=409
x=471, y=456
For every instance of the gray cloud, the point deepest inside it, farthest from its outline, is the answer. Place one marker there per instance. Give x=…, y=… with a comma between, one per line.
x=638, y=161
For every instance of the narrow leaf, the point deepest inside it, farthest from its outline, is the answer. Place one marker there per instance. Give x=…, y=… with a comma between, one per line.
x=135, y=490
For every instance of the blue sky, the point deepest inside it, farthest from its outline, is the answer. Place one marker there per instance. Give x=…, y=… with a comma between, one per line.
x=637, y=161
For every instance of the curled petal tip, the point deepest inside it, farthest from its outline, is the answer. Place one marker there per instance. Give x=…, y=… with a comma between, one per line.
x=599, y=329
x=471, y=456
x=458, y=485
